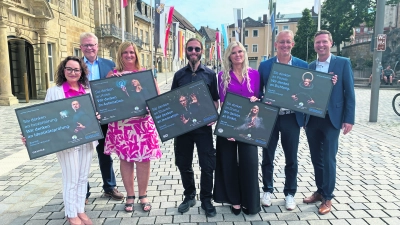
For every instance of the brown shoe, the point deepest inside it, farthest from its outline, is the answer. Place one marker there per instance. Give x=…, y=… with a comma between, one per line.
x=114, y=194
x=325, y=207
x=315, y=197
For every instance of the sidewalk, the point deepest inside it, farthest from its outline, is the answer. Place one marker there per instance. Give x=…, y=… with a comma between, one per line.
x=367, y=188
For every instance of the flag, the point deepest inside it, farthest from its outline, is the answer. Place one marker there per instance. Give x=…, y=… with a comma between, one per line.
x=272, y=22
x=176, y=40
x=237, y=15
x=212, y=50
x=224, y=35
x=159, y=8
x=124, y=3
x=168, y=22
x=317, y=4
x=215, y=50
x=218, y=44
x=180, y=43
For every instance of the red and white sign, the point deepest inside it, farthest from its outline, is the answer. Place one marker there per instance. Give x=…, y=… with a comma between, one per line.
x=381, y=42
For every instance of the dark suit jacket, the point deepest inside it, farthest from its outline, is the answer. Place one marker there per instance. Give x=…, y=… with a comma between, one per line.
x=105, y=66
x=265, y=69
x=342, y=104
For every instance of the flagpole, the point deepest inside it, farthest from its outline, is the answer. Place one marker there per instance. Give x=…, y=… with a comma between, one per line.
x=319, y=15
x=122, y=22
x=242, y=32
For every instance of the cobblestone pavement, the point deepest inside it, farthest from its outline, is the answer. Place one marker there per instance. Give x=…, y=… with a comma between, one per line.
x=367, y=188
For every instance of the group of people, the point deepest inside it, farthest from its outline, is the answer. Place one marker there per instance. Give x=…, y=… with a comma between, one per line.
x=236, y=163
x=135, y=140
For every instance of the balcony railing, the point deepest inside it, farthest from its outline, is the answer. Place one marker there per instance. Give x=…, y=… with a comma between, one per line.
x=108, y=30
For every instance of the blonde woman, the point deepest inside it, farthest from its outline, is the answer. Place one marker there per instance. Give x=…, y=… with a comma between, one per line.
x=134, y=140
x=236, y=172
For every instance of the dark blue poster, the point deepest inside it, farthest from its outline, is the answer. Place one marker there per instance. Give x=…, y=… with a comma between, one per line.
x=298, y=89
x=118, y=98
x=182, y=110
x=57, y=125
x=245, y=121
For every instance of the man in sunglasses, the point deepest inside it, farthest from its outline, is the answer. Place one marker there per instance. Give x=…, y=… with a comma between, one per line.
x=202, y=137
x=99, y=68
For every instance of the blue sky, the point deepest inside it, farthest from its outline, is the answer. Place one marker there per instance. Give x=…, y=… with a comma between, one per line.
x=216, y=12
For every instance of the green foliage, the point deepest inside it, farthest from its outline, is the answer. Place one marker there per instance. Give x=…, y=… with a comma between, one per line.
x=306, y=28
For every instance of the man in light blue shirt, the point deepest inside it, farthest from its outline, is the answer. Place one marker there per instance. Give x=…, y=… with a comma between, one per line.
x=99, y=68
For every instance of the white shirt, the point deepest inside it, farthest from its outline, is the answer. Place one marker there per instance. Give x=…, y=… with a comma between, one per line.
x=289, y=63
x=323, y=66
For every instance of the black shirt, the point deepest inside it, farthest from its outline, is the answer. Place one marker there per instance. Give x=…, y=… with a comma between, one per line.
x=184, y=76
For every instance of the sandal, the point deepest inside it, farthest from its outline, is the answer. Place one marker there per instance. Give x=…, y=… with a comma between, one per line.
x=146, y=204
x=129, y=205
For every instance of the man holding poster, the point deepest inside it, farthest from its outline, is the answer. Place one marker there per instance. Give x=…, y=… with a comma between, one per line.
x=98, y=69
x=288, y=124
x=202, y=136
x=323, y=133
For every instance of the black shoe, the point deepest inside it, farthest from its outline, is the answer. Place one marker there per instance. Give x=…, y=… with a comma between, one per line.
x=391, y=84
x=369, y=84
x=235, y=211
x=186, y=204
x=209, y=209
x=386, y=84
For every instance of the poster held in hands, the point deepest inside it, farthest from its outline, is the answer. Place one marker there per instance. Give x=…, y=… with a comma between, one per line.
x=54, y=126
x=245, y=121
x=302, y=90
x=182, y=110
x=118, y=98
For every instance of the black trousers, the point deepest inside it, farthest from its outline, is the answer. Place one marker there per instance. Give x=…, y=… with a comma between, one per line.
x=236, y=175
x=184, y=146
x=105, y=164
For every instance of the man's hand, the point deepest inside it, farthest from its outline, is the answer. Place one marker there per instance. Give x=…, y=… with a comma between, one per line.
x=231, y=139
x=184, y=120
x=334, y=78
x=79, y=127
x=210, y=124
x=347, y=127
x=254, y=98
x=294, y=97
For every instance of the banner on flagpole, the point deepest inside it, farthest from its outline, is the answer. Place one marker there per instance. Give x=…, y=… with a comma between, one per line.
x=225, y=35
x=176, y=40
x=168, y=22
x=237, y=15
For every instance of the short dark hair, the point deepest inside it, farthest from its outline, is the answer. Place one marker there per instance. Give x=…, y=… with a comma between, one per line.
x=194, y=39
x=324, y=32
x=60, y=74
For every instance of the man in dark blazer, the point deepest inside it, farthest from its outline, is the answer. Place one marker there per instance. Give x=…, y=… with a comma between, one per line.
x=288, y=124
x=98, y=69
x=323, y=133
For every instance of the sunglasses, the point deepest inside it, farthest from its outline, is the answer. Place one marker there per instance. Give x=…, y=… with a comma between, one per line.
x=197, y=49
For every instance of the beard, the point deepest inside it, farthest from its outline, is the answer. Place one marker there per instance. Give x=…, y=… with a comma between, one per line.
x=193, y=60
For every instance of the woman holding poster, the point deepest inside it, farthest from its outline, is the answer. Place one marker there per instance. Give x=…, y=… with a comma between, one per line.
x=236, y=172
x=134, y=140
x=71, y=79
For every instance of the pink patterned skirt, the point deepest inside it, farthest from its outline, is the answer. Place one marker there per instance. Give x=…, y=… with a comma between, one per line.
x=133, y=140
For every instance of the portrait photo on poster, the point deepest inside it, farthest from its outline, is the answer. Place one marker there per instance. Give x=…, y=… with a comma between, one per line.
x=182, y=110
x=57, y=125
x=298, y=89
x=245, y=121
x=117, y=98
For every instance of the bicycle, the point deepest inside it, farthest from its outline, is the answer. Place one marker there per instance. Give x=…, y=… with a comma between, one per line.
x=396, y=104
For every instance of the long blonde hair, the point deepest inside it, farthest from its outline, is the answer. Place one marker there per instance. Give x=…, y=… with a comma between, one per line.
x=226, y=78
x=122, y=47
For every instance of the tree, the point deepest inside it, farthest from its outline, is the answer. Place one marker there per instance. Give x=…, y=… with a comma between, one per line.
x=341, y=16
x=306, y=29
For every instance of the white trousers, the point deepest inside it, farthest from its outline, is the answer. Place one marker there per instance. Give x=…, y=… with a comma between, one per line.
x=75, y=166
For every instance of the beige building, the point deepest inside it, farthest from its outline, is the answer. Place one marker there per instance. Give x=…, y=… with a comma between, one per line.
x=35, y=35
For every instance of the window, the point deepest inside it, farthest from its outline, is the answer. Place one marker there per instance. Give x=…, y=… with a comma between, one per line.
x=77, y=52
x=247, y=48
x=255, y=48
x=365, y=29
x=233, y=33
x=147, y=37
x=246, y=33
x=136, y=32
x=285, y=27
x=141, y=35
x=357, y=30
x=255, y=33
x=50, y=55
x=143, y=60
x=75, y=7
